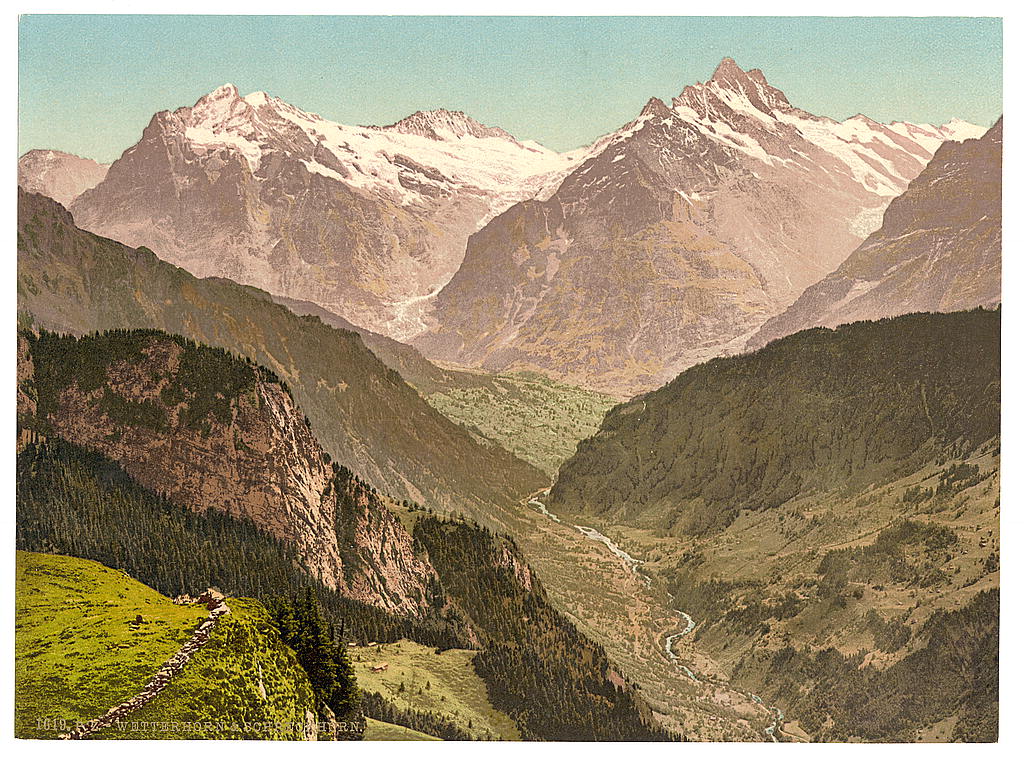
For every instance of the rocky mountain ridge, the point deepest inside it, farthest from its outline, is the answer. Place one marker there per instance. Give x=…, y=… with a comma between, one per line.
x=366, y=221
x=214, y=433
x=675, y=238
x=939, y=248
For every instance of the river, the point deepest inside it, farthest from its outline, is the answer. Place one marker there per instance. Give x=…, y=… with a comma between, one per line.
x=633, y=565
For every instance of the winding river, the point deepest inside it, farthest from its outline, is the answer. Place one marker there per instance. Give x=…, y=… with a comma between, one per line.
x=633, y=565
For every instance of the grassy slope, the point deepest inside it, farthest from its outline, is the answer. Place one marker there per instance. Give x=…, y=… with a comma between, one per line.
x=77, y=655
x=378, y=730
x=537, y=419
x=221, y=685
x=456, y=691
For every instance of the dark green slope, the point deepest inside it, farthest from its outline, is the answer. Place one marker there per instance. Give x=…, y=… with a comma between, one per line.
x=548, y=677
x=820, y=411
x=363, y=412
x=423, y=375
x=954, y=673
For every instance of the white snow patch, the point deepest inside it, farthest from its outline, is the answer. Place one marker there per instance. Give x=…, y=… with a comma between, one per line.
x=500, y=167
x=207, y=137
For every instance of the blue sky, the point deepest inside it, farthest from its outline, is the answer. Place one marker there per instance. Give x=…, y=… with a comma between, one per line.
x=90, y=84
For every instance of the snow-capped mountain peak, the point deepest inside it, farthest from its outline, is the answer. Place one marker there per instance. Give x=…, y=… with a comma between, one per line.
x=383, y=212
x=732, y=90
x=676, y=236
x=740, y=111
x=426, y=155
x=219, y=106
x=257, y=99
x=960, y=130
x=442, y=124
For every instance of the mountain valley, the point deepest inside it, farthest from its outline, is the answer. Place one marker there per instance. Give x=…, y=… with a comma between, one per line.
x=424, y=431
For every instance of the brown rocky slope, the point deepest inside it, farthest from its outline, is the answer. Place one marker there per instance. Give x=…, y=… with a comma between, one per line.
x=939, y=248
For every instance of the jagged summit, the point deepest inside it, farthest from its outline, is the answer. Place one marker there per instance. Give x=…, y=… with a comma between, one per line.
x=219, y=108
x=442, y=124
x=732, y=89
x=730, y=76
x=728, y=71
x=226, y=94
x=656, y=107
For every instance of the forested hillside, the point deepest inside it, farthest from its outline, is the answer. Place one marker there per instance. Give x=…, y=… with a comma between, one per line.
x=551, y=680
x=554, y=682
x=826, y=511
x=76, y=502
x=822, y=410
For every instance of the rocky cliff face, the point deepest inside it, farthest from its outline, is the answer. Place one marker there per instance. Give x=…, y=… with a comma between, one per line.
x=363, y=220
x=58, y=175
x=939, y=248
x=676, y=237
x=218, y=434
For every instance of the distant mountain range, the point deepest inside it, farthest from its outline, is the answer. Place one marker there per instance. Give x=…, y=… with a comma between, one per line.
x=939, y=248
x=58, y=175
x=665, y=243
